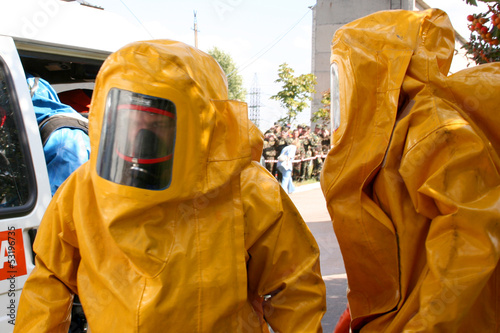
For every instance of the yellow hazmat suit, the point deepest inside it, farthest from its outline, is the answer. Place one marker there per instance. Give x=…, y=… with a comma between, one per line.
x=221, y=249
x=413, y=191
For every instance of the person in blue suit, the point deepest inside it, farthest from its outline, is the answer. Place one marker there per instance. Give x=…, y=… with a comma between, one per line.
x=66, y=148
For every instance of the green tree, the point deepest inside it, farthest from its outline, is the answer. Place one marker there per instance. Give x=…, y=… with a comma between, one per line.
x=322, y=116
x=234, y=80
x=483, y=45
x=296, y=92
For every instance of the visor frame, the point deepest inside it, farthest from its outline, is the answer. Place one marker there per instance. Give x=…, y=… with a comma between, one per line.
x=121, y=153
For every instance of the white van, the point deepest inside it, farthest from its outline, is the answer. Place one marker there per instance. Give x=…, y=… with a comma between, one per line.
x=64, y=43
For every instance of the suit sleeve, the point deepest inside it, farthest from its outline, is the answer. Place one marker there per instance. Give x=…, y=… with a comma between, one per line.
x=47, y=296
x=283, y=268
x=453, y=178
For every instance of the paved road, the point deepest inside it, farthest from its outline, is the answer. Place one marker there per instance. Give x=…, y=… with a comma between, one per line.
x=311, y=204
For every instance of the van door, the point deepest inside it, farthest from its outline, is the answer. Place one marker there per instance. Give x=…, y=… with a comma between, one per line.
x=24, y=184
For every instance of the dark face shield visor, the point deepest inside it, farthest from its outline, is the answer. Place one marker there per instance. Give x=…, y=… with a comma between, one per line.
x=137, y=141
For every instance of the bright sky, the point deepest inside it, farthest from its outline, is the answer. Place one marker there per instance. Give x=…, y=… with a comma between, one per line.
x=458, y=10
x=258, y=34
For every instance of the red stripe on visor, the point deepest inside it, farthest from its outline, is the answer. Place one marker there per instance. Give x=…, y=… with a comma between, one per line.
x=146, y=109
x=144, y=160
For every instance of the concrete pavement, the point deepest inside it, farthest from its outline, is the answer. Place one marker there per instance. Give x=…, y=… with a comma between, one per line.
x=310, y=202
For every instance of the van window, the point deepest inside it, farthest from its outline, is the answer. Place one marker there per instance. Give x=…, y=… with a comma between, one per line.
x=17, y=191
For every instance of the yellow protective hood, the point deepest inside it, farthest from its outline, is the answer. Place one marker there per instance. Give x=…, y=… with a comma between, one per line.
x=203, y=159
x=398, y=180
x=373, y=55
x=197, y=86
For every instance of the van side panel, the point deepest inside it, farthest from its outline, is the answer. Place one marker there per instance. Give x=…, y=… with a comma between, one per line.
x=16, y=230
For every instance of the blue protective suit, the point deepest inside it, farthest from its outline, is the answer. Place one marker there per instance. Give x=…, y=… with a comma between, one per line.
x=67, y=148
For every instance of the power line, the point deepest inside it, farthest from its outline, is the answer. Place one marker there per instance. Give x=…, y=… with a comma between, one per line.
x=266, y=49
x=140, y=22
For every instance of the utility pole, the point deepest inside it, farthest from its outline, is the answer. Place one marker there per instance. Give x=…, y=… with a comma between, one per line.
x=195, y=30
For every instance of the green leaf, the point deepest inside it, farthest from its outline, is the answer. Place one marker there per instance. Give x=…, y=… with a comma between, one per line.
x=495, y=32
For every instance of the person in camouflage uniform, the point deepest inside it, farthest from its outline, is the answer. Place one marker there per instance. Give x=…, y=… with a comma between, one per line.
x=277, y=128
x=270, y=152
x=317, y=151
x=325, y=141
x=300, y=129
x=307, y=165
x=283, y=140
x=299, y=155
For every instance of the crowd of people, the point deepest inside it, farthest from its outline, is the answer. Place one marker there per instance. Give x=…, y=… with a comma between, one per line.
x=310, y=153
